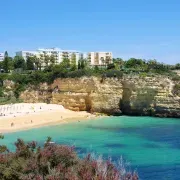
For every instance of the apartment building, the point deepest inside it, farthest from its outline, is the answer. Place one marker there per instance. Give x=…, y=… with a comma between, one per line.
x=99, y=58
x=26, y=54
x=59, y=54
x=1, y=56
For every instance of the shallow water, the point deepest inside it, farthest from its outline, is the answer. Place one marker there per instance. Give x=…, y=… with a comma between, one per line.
x=151, y=145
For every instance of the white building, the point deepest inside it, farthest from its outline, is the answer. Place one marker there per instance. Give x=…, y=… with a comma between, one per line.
x=59, y=54
x=99, y=58
x=26, y=54
x=1, y=56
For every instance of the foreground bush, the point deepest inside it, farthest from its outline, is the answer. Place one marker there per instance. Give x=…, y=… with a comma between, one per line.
x=55, y=162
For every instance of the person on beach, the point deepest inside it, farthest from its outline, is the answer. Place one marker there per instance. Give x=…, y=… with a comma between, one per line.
x=12, y=124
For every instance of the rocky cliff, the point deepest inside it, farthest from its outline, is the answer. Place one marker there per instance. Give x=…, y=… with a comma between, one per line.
x=150, y=96
x=132, y=96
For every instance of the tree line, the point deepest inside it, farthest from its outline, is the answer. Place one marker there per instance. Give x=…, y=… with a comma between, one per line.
x=48, y=62
x=143, y=65
x=38, y=63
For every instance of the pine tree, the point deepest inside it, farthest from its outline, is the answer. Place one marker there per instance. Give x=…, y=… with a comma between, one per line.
x=65, y=63
x=82, y=64
x=52, y=59
x=73, y=62
x=19, y=62
x=29, y=63
x=6, y=63
x=79, y=64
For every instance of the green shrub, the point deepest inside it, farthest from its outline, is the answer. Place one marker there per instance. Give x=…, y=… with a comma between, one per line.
x=18, y=78
x=143, y=75
x=18, y=89
x=176, y=78
x=1, y=92
x=114, y=73
x=111, y=66
x=7, y=100
x=177, y=86
x=177, y=89
x=78, y=73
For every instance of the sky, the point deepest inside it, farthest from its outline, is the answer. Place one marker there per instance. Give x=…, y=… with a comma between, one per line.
x=148, y=29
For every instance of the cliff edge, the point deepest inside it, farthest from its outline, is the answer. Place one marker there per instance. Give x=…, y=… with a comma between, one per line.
x=155, y=96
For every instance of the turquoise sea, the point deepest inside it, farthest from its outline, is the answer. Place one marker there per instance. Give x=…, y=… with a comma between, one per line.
x=149, y=145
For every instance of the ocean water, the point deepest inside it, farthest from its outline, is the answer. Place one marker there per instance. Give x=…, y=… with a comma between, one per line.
x=149, y=145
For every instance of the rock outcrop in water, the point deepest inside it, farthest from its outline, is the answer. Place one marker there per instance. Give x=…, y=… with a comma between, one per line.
x=131, y=96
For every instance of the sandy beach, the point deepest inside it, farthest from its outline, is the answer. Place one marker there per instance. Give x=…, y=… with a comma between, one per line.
x=27, y=116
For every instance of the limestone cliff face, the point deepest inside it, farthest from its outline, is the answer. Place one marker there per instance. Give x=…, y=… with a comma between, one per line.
x=106, y=96
x=32, y=94
x=131, y=96
x=73, y=93
x=150, y=96
x=82, y=94
x=91, y=94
